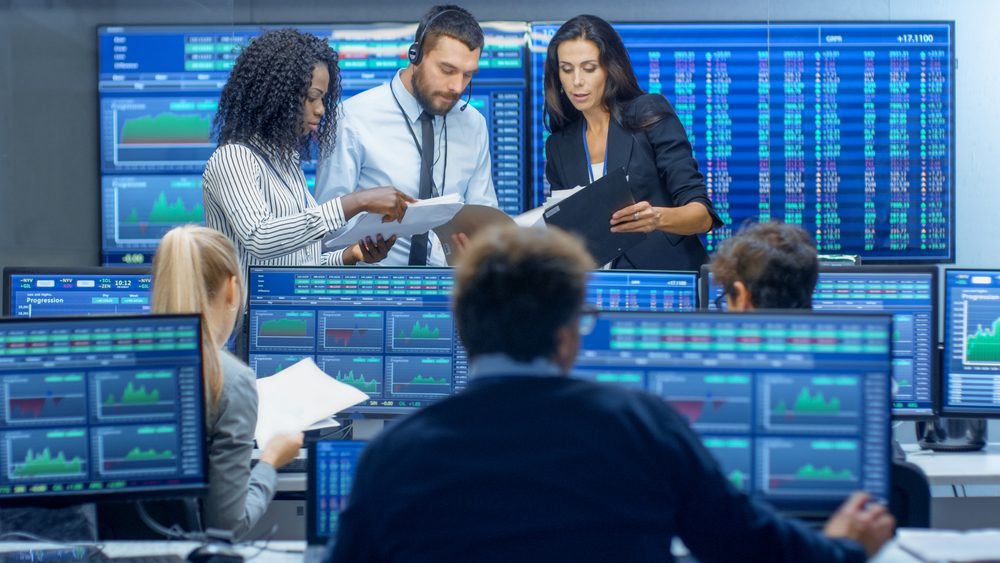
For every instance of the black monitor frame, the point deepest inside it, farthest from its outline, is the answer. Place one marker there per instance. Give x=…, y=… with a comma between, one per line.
x=117, y=495
x=11, y=271
x=937, y=367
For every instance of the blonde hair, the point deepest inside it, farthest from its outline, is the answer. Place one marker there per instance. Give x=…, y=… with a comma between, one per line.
x=191, y=266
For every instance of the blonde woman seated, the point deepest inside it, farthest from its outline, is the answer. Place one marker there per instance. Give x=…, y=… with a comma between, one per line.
x=196, y=271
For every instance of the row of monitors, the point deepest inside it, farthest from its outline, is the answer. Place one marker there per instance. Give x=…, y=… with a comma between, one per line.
x=844, y=128
x=390, y=331
x=794, y=406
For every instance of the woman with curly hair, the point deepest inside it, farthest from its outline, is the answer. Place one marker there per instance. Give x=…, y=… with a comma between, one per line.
x=273, y=110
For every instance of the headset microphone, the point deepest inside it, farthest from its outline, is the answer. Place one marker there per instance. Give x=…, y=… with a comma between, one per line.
x=467, y=99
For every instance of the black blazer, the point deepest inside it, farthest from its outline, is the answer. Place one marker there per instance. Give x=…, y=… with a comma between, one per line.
x=660, y=170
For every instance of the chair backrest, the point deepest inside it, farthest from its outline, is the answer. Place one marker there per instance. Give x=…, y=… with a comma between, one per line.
x=910, y=499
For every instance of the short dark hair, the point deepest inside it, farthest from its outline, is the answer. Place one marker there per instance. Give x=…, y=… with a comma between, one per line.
x=263, y=98
x=777, y=262
x=620, y=87
x=515, y=288
x=451, y=21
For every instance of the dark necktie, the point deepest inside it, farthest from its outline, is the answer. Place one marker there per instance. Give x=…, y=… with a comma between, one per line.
x=418, y=243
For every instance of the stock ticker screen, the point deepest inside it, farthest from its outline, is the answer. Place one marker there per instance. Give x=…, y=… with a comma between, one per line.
x=334, y=464
x=909, y=294
x=795, y=407
x=390, y=332
x=101, y=406
x=844, y=128
x=159, y=88
x=971, y=383
x=76, y=292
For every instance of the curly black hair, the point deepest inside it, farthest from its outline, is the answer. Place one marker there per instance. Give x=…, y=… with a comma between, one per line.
x=263, y=99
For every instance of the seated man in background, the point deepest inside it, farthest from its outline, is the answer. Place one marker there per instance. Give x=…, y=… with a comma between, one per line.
x=767, y=266
x=527, y=464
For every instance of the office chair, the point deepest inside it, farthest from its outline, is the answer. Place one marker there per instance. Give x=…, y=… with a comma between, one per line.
x=910, y=497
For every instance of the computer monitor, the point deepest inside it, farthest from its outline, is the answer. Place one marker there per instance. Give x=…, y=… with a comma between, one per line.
x=390, y=331
x=795, y=407
x=971, y=371
x=101, y=407
x=909, y=293
x=330, y=473
x=71, y=292
x=386, y=331
x=637, y=290
x=846, y=128
x=159, y=87
x=50, y=292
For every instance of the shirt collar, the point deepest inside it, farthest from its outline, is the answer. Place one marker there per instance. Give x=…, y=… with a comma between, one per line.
x=410, y=104
x=493, y=365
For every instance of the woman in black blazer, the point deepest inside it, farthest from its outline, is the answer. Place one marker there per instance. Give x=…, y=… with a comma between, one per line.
x=601, y=120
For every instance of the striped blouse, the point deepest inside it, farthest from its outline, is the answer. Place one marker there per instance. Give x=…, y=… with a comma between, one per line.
x=267, y=212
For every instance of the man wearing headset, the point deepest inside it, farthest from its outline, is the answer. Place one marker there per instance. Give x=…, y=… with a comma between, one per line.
x=416, y=133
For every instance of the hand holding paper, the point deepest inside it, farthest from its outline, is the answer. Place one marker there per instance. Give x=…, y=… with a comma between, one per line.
x=298, y=396
x=420, y=217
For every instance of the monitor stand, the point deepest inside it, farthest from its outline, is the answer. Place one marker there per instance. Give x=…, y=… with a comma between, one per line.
x=366, y=428
x=952, y=434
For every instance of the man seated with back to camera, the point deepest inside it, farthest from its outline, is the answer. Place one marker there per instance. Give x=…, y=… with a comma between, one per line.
x=768, y=265
x=527, y=464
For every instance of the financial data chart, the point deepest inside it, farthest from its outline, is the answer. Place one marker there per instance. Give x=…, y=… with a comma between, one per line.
x=336, y=462
x=846, y=129
x=971, y=382
x=908, y=293
x=159, y=89
x=795, y=408
x=386, y=331
x=634, y=290
x=88, y=291
x=121, y=411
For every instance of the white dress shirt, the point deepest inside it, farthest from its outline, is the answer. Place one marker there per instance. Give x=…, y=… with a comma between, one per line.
x=375, y=148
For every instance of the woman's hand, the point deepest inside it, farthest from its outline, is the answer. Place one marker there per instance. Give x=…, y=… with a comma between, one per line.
x=368, y=250
x=386, y=201
x=637, y=218
x=281, y=449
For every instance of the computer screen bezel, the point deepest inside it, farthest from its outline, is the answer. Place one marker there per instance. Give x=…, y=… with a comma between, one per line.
x=11, y=271
x=936, y=367
x=945, y=333
x=826, y=509
x=177, y=491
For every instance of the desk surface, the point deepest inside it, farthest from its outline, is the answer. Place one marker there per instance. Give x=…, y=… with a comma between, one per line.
x=276, y=551
x=957, y=468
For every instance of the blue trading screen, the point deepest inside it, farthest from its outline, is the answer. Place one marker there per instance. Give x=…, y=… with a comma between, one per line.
x=387, y=331
x=846, y=129
x=910, y=295
x=794, y=407
x=159, y=88
x=336, y=462
x=630, y=290
x=69, y=294
x=101, y=405
x=971, y=383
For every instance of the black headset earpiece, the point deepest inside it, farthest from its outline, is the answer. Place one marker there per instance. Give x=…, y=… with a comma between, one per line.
x=416, y=51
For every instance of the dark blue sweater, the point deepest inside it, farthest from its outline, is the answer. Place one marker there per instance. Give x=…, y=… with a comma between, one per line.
x=557, y=469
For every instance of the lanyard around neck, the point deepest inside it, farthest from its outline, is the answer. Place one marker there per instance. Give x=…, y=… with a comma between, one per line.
x=586, y=156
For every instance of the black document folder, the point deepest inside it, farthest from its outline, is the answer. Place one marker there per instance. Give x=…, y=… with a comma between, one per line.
x=588, y=212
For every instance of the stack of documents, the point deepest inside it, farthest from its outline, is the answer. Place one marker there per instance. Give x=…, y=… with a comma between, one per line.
x=943, y=545
x=420, y=217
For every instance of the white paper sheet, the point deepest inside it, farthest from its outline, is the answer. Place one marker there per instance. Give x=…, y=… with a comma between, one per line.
x=297, y=397
x=420, y=217
x=535, y=217
x=942, y=545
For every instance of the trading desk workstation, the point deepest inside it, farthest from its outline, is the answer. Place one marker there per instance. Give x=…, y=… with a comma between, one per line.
x=797, y=408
